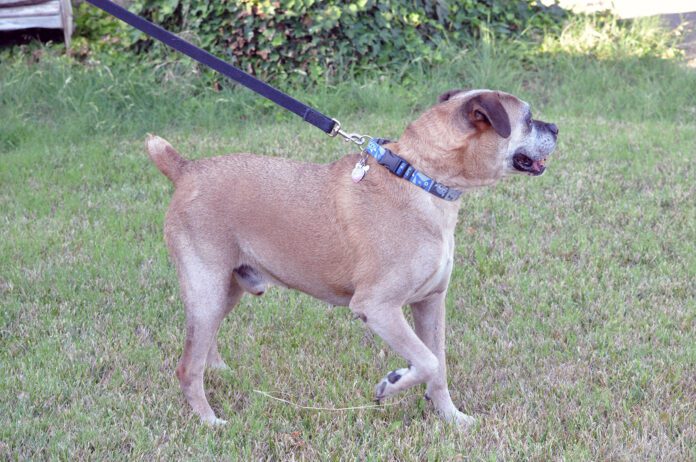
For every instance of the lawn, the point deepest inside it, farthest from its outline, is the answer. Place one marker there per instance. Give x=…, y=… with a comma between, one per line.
x=571, y=311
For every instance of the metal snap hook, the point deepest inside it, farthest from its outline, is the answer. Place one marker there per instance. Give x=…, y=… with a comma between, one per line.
x=348, y=137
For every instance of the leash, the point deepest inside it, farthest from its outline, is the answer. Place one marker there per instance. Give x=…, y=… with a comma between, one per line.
x=377, y=407
x=331, y=127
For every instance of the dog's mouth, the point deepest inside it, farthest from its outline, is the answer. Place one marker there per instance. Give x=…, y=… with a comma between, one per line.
x=526, y=164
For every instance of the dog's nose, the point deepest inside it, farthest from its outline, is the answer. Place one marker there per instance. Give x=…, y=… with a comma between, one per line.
x=553, y=128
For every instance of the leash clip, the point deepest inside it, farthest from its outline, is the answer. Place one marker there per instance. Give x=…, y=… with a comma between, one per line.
x=348, y=137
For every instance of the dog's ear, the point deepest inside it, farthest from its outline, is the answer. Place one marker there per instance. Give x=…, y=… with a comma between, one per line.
x=486, y=108
x=448, y=94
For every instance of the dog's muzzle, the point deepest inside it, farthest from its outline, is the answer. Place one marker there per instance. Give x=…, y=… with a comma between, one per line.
x=535, y=165
x=526, y=164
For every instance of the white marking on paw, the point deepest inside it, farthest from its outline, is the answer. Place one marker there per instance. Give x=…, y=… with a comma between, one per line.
x=386, y=388
x=462, y=420
x=214, y=422
x=218, y=366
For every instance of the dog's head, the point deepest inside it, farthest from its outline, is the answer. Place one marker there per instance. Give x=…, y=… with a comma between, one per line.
x=480, y=136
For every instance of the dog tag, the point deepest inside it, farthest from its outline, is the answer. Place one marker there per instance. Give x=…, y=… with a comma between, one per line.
x=359, y=171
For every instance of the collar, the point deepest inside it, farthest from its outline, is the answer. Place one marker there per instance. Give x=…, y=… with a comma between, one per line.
x=399, y=167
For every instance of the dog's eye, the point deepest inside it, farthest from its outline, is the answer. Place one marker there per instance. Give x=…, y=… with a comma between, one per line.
x=528, y=120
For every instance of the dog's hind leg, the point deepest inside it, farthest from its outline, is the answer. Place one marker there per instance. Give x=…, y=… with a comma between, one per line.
x=206, y=294
x=429, y=321
x=214, y=360
x=245, y=279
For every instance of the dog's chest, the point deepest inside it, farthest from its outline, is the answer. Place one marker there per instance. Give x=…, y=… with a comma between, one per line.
x=431, y=270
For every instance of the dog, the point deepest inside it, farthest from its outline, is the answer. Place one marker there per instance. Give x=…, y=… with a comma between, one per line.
x=240, y=223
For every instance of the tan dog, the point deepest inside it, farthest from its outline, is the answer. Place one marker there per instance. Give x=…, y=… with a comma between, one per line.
x=241, y=222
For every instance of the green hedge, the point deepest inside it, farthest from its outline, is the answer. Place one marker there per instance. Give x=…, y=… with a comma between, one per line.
x=318, y=39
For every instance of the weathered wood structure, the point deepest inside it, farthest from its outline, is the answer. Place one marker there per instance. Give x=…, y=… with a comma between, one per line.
x=48, y=14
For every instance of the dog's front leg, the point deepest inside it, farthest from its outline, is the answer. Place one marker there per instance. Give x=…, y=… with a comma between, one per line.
x=429, y=320
x=389, y=323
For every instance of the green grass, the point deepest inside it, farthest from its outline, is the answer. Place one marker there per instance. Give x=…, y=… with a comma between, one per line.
x=571, y=313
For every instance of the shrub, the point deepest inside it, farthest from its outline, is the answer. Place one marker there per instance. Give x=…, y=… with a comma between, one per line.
x=606, y=37
x=320, y=39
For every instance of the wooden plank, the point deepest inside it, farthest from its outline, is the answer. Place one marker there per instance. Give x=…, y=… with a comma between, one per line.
x=9, y=3
x=44, y=9
x=66, y=20
x=48, y=22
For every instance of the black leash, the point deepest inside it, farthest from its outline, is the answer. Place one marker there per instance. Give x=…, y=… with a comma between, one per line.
x=330, y=126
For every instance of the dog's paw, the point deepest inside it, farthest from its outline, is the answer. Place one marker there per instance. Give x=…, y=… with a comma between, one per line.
x=461, y=420
x=214, y=422
x=449, y=413
x=218, y=365
x=388, y=385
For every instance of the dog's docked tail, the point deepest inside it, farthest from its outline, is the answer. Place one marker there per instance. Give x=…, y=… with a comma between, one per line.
x=165, y=157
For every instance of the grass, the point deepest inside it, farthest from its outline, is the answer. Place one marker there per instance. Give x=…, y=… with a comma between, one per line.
x=571, y=311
